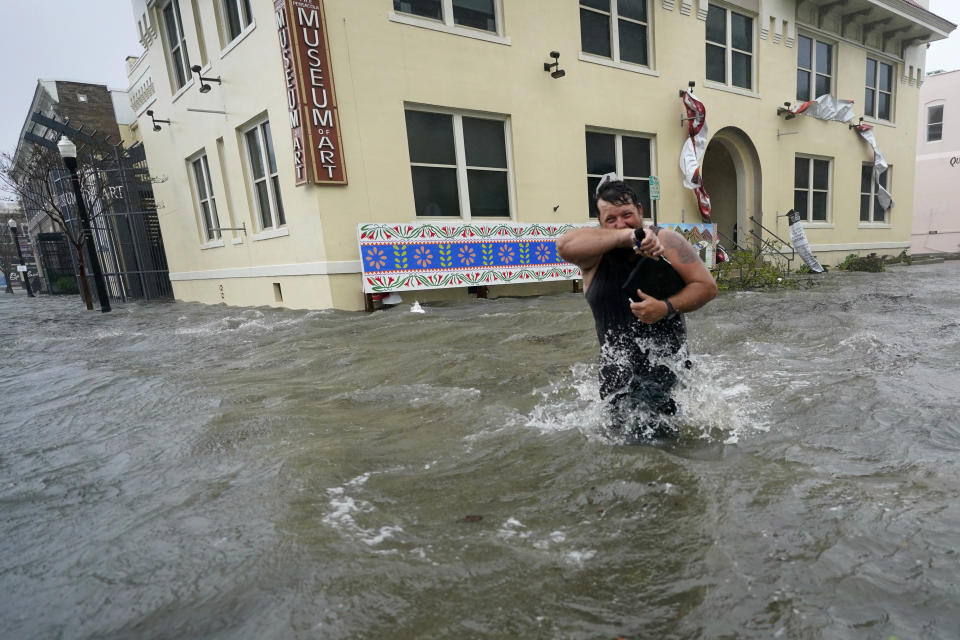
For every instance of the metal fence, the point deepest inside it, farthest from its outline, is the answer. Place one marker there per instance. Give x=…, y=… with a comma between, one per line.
x=125, y=230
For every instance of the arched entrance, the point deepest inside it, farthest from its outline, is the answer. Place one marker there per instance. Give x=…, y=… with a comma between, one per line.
x=732, y=177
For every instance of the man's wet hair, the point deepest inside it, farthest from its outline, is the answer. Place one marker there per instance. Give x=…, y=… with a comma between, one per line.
x=618, y=192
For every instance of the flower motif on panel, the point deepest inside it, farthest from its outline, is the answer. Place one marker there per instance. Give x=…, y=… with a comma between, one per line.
x=467, y=255
x=376, y=258
x=422, y=256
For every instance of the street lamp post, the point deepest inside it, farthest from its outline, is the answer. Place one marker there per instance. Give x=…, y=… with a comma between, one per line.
x=68, y=151
x=16, y=241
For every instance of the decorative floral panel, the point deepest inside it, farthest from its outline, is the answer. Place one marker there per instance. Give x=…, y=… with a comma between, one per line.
x=411, y=256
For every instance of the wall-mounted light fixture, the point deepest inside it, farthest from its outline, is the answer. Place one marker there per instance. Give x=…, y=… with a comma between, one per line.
x=786, y=111
x=547, y=66
x=204, y=87
x=156, y=126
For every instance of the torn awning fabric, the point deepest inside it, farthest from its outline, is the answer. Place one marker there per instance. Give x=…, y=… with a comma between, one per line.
x=691, y=156
x=879, y=165
x=799, y=240
x=826, y=107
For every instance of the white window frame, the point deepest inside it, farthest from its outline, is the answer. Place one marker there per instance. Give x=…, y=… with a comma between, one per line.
x=812, y=85
x=241, y=6
x=211, y=226
x=877, y=91
x=460, y=152
x=274, y=198
x=807, y=216
x=447, y=25
x=614, y=18
x=173, y=47
x=728, y=51
x=930, y=122
x=874, y=207
x=618, y=157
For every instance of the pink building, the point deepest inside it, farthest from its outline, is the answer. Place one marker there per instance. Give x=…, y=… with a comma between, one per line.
x=936, y=212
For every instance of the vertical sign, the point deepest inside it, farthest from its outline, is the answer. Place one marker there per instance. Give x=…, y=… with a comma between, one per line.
x=311, y=100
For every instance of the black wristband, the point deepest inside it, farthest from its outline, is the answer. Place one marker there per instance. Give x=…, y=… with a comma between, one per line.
x=670, y=310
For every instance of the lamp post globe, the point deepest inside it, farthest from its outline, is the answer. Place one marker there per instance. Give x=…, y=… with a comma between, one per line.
x=66, y=148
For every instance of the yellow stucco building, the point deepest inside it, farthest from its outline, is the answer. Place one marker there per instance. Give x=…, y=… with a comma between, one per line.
x=453, y=111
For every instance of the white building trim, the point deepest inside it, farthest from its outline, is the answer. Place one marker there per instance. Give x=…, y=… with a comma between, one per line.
x=324, y=268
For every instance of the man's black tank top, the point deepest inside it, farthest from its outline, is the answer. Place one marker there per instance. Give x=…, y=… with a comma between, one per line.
x=625, y=341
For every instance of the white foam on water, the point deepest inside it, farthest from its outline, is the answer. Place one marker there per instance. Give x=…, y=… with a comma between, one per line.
x=513, y=528
x=344, y=508
x=716, y=402
x=580, y=557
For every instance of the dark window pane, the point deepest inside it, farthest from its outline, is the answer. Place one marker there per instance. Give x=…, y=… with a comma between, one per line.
x=716, y=24
x=642, y=187
x=871, y=73
x=741, y=70
x=430, y=137
x=603, y=5
x=804, y=49
x=885, y=77
x=883, y=178
x=823, y=85
x=819, y=209
x=869, y=105
x=263, y=201
x=821, y=174
x=866, y=178
x=256, y=160
x=934, y=132
x=478, y=14
x=172, y=35
x=592, y=189
x=268, y=142
x=864, y=208
x=935, y=114
x=181, y=78
x=803, y=85
x=425, y=8
x=716, y=64
x=435, y=191
x=281, y=218
x=633, y=42
x=488, y=193
x=483, y=140
x=800, y=204
x=883, y=106
x=234, y=22
x=801, y=173
x=601, y=154
x=201, y=183
x=741, y=32
x=595, y=33
x=636, y=157
x=207, y=221
x=633, y=9
x=824, y=58
x=879, y=215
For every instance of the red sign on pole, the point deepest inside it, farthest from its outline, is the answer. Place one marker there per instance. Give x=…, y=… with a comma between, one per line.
x=311, y=99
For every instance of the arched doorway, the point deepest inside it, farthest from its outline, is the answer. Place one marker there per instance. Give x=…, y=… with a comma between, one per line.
x=732, y=177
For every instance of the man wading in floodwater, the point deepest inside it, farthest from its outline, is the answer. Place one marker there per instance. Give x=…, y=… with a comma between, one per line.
x=638, y=329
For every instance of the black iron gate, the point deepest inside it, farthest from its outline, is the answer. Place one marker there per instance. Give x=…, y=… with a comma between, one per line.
x=126, y=231
x=55, y=262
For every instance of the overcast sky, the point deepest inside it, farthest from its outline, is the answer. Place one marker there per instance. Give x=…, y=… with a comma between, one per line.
x=88, y=40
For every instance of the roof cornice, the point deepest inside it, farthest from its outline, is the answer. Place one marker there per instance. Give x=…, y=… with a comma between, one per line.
x=916, y=13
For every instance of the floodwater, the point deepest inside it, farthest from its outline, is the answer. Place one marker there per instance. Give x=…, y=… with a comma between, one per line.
x=187, y=471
